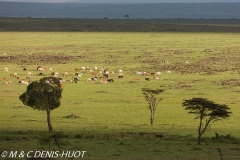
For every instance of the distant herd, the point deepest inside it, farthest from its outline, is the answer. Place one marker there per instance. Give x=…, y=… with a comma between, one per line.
x=95, y=74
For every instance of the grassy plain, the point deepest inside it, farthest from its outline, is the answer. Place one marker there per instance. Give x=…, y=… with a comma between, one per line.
x=113, y=120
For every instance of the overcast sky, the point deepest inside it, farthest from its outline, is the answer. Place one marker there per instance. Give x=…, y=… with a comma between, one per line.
x=124, y=1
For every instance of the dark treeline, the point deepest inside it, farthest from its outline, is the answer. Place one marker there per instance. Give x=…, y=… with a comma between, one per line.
x=120, y=25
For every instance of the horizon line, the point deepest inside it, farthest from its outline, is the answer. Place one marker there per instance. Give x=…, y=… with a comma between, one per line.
x=117, y=2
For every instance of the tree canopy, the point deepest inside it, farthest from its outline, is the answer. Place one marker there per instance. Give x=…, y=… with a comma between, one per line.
x=151, y=97
x=206, y=112
x=44, y=94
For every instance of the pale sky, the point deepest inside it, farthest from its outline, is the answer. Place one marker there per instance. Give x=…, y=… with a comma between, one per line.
x=124, y=1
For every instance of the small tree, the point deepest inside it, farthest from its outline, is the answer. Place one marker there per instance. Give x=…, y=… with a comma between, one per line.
x=206, y=111
x=44, y=94
x=151, y=96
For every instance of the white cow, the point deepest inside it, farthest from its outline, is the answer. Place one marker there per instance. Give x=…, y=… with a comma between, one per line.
x=139, y=73
x=6, y=69
x=40, y=69
x=158, y=73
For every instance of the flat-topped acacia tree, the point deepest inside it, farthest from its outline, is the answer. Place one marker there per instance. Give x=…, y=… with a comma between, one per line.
x=44, y=95
x=206, y=111
x=151, y=96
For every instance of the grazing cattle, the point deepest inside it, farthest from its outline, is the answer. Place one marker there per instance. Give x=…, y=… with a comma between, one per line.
x=152, y=74
x=103, y=81
x=168, y=71
x=29, y=73
x=65, y=74
x=75, y=79
x=94, y=79
x=136, y=79
x=155, y=78
x=77, y=69
x=23, y=82
x=119, y=71
x=158, y=73
x=110, y=80
x=120, y=75
x=92, y=74
x=4, y=79
x=6, y=69
x=12, y=75
x=83, y=68
x=24, y=69
x=38, y=68
x=40, y=74
x=18, y=77
x=139, y=73
x=147, y=79
x=62, y=81
x=76, y=74
x=105, y=75
x=5, y=82
x=50, y=69
x=112, y=72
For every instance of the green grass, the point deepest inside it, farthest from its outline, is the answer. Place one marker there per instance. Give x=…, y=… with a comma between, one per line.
x=112, y=117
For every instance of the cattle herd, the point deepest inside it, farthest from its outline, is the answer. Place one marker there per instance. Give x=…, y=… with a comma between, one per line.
x=93, y=75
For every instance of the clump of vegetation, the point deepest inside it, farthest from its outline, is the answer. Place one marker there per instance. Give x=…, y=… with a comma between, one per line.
x=72, y=116
x=225, y=138
x=52, y=138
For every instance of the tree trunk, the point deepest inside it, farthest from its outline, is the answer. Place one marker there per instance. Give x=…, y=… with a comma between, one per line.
x=50, y=128
x=199, y=139
x=152, y=117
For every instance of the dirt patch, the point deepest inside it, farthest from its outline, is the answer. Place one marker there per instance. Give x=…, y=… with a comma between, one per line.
x=38, y=58
x=219, y=62
x=183, y=85
x=230, y=82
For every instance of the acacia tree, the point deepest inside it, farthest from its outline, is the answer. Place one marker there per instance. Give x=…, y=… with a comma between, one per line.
x=45, y=95
x=206, y=111
x=151, y=96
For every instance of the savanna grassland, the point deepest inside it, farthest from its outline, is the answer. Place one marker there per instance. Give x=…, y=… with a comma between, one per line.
x=111, y=121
